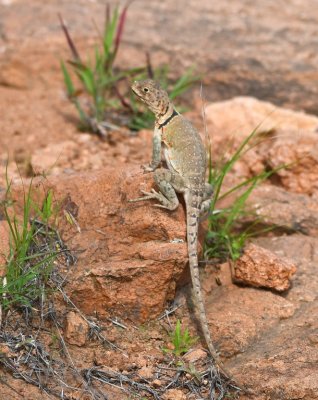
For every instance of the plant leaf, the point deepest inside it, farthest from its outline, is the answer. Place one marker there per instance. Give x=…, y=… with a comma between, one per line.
x=68, y=81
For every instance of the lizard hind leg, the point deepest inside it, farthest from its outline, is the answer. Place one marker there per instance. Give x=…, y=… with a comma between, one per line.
x=168, y=184
x=207, y=199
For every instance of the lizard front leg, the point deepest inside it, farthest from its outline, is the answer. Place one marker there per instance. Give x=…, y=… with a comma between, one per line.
x=168, y=183
x=156, y=152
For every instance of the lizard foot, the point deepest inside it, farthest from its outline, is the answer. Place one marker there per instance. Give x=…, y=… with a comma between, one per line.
x=153, y=195
x=147, y=168
x=148, y=196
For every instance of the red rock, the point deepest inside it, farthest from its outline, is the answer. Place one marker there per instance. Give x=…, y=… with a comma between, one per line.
x=303, y=251
x=291, y=211
x=266, y=366
x=76, y=329
x=238, y=316
x=284, y=137
x=195, y=355
x=259, y=267
x=240, y=116
x=301, y=149
x=128, y=261
x=279, y=356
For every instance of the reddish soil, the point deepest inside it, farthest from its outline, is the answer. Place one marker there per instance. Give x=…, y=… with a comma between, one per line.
x=132, y=259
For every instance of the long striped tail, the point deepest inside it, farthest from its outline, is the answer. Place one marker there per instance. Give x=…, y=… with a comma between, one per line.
x=193, y=213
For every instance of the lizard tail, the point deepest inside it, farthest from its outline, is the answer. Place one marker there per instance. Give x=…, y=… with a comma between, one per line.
x=193, y=214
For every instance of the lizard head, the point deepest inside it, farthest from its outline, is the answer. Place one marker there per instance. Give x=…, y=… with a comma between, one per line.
x=152, y=95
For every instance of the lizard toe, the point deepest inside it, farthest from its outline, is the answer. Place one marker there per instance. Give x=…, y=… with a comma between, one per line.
x=146, y=193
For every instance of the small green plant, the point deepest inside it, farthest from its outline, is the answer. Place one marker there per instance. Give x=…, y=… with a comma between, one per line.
x=105, y=87
x=181, y=340
x=29, y=262
x=99, y=77
x=227, y=232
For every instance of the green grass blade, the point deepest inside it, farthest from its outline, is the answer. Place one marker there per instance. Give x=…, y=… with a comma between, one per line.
x=183, y=83
x=109, y=34
x=87, y=77
x=228, y=166
x=68, y=81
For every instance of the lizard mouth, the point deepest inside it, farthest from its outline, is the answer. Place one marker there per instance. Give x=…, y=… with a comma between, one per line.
x=135, y=92
x=138, y=95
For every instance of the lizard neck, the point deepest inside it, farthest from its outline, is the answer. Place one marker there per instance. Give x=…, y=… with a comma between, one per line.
x=166, y=116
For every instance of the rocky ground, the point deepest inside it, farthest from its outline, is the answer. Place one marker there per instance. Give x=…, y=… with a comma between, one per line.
x=132, y=259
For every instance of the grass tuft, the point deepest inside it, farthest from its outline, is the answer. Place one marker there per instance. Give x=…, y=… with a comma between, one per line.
x=227, y=228
x=31, y=255
x=181, y=340
x=105, y=98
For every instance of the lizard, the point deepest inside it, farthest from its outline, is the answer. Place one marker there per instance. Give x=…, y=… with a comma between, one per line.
x=185, y=157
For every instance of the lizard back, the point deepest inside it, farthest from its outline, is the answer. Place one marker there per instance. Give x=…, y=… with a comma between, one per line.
x=184, y=151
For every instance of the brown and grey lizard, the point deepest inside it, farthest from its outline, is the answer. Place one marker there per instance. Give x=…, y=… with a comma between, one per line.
x=186, y=160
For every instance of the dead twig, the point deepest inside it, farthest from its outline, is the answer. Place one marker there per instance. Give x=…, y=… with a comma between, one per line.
x=117, y=379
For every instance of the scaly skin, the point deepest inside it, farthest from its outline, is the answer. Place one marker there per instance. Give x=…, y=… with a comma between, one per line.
x=185, y=156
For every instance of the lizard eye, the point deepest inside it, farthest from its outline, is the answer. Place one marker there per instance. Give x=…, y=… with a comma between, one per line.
x=146, y=90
